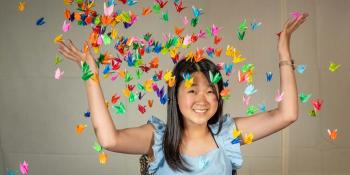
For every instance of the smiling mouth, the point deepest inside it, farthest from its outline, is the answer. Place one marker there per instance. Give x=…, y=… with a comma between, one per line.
x=200, y=110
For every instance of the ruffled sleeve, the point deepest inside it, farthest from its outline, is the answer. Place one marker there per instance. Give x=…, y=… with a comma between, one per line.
x=159, y=129
x=224, y=140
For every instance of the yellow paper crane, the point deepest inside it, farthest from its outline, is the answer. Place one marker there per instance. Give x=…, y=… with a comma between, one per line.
x=236, y=133
x=103, y=158
x=248, y=138
x=148, y=85
x=21, y=6
x=58, y=38
x=234, y=54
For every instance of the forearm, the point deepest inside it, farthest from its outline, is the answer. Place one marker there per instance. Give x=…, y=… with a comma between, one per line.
x=288, y=107
x=101, y=119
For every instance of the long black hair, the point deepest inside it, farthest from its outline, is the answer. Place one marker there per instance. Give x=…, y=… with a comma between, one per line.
x=175, y=124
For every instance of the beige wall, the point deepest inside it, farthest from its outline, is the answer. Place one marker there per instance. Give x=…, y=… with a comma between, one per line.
x=38, y=114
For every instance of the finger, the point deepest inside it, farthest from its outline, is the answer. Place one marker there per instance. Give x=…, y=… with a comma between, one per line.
x=305, y=15
x=72, y=46
x=298, y=23
x=68, y=51
x=64, y=45
x=87, y=49
x=67, y=55
x=293, y=23
x=75, y=49
x=297, y=19
x=287, y=23
x=61, y=44
x=67, y=48
x=64, y=48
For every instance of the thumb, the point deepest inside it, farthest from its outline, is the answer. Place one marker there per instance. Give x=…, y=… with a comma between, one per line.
x=87, y=52
x=87, y=49
x=88, y=56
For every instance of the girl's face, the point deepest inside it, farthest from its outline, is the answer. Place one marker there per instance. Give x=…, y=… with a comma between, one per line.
x=197, y=103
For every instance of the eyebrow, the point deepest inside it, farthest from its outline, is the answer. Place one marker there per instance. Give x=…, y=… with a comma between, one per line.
x=194, y=84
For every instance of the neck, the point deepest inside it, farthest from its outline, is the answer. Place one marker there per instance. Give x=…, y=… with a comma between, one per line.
x=197, y=131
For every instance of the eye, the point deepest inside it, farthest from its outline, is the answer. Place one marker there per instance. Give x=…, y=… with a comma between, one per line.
x=210, y=90
x=190, y=91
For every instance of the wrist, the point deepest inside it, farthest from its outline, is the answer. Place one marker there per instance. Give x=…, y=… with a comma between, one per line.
x=286, y=62
x=92, y=65
x=93, y=80
x=284, y=56
x=284, y=53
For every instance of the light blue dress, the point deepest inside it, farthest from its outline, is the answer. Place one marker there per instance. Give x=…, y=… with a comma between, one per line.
x=218, y=161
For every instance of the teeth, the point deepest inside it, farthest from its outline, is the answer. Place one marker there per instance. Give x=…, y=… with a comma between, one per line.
x=200, y=110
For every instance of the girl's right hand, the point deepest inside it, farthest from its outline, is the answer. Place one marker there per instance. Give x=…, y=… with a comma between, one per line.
x=71, y=52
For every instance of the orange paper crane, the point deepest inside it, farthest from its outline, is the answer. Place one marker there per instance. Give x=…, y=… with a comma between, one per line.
x=150, y=103
x=218, y=52
x=154, y=63
x=332, y=134
x=79, y=128
x=217, y=39
x=178, y=31
x=67, y=2
x=225, y=92
x=146, y=11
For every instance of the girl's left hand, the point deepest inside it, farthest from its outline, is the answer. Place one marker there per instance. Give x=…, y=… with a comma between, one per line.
x=285, y=35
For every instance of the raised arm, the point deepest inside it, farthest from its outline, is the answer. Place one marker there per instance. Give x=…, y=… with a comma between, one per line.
x=266, y=123
x=131, y=140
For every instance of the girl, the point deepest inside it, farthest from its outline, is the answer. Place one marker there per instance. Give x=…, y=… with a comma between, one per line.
x=196, y=138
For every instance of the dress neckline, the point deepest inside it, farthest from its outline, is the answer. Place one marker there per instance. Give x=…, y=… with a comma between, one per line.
x=207, y=153
x=202, y=155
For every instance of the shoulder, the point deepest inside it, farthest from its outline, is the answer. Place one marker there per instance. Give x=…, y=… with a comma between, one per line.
x=228, y=124
x=227, y=142
x=157, y=147
x=157, y=124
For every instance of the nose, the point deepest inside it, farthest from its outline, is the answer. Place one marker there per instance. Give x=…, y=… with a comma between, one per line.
x=201, y=99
